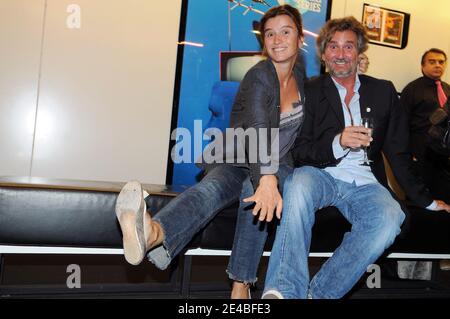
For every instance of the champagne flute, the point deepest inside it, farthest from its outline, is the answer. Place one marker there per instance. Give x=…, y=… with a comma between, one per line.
x=367, y=122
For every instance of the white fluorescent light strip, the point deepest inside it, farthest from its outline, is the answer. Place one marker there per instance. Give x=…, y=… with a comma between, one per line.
x=194, y=44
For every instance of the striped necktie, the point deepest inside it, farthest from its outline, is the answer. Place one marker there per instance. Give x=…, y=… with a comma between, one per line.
x=442, y=97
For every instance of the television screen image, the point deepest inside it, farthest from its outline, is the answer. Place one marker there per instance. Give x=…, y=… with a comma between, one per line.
x=234, y=65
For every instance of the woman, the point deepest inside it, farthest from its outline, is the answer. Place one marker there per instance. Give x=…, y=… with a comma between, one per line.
x=269, y=101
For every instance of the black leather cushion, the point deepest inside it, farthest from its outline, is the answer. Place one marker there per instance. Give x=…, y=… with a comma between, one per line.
x=63, y=217
x=83, y=218
x=48, y=217
x=427, y=232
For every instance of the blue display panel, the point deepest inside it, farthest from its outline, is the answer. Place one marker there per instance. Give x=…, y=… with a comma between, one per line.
x=212, y=29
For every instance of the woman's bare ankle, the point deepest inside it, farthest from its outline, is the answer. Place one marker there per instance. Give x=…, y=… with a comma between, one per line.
x=156, y=234
x=240, y=290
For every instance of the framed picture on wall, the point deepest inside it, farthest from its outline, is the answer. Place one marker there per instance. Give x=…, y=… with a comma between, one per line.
x=385, y=26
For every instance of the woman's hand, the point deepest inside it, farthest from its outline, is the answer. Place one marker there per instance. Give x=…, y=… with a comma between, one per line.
x=267, y=199
x=441, y=205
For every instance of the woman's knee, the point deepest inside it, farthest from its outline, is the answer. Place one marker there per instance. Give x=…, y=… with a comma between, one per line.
x=247, y=189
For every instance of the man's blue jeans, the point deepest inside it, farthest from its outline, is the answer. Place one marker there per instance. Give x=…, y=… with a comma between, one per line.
x=189, y=212
x=375, y=217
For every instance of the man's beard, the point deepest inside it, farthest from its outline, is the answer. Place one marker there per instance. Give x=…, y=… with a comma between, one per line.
x=341, y=74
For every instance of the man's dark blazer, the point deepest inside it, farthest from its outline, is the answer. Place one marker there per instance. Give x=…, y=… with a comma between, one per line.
x=324, y=119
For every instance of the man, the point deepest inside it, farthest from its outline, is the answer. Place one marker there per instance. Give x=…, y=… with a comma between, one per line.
x=332, y=140
x=423, y=98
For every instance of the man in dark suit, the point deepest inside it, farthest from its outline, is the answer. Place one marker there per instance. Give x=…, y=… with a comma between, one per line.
x=421, y=99
x=424, y=99
x=332, y=143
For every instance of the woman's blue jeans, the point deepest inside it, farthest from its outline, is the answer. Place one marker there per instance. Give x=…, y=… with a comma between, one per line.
x=189, y=212
x=250, y=235
x=375, y=217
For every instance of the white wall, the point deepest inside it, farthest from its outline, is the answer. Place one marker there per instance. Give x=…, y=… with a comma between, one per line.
x=429, y=27
x=20, y=40
x=102, y=92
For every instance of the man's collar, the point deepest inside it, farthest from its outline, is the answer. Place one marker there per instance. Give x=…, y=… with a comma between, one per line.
x=341, y=87
x=430, y=79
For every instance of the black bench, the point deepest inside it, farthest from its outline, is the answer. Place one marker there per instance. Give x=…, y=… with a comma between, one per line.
x=73, y=217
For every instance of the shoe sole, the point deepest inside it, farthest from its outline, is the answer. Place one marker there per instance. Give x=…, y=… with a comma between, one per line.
x=130, y=211
x=272, y=294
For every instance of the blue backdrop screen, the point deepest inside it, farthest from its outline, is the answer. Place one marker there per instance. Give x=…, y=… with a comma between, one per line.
x=212, y=27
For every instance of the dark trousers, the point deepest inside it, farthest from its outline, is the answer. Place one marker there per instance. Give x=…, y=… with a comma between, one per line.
x=434, y=169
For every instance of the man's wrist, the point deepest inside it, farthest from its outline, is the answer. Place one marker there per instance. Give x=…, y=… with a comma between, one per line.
x=338, y=150
x=268, y=178
x=340, y=142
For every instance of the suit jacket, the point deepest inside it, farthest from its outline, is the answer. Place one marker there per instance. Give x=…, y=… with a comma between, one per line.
x=324, y=119
x=419, y=99
x=256, y=106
